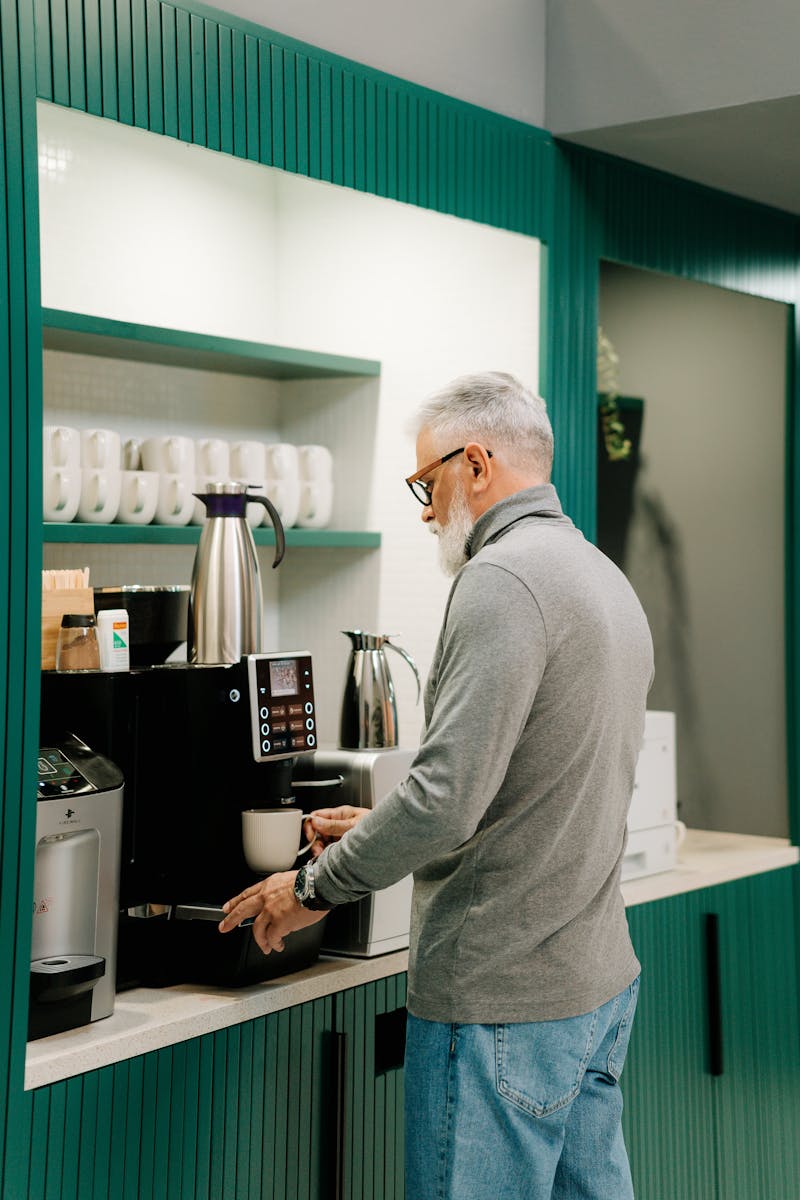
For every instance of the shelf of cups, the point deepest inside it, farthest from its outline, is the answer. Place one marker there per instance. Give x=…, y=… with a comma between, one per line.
x=187, y=535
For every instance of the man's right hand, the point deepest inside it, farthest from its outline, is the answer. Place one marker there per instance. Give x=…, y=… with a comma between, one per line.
x=330, y=824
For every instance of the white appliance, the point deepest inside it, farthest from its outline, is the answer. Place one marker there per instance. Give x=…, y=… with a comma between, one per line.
x=380, y=922
x=653, y=826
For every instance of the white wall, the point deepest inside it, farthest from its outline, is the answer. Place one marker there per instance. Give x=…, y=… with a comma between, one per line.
x=492, y=55
x=615, y=61
x=710, y=366
x=143, y=228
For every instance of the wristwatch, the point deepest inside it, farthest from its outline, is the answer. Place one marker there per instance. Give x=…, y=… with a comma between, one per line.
x=305, y=891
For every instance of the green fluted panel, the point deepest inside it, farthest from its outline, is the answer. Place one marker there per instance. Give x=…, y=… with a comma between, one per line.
x=173, y=70
x=758, y=1106
x=668, y=1116
x=20, y=559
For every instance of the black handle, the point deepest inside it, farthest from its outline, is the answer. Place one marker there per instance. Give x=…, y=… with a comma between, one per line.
x=340, y=1122
x=277, y=525
x=713, y=976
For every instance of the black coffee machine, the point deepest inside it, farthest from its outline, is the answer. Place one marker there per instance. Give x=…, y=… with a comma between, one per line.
x=196, y=744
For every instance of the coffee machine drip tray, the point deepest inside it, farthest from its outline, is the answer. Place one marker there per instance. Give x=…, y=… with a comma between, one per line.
x=65, y=976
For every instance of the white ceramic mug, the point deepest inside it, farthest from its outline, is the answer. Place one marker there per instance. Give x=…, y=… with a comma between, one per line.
x=271, y=838
x=199, y=512
x=316, y=505
x=281, y=460
x=61, y=447
x=285, y=495
x=213, y=458
x=99, y=501
x=61, y=493
x=171, y=455
x=315, y=463
x=247, y=462
x=101, y=448
x=131, y=457
x=175, y=504
x=138, y=497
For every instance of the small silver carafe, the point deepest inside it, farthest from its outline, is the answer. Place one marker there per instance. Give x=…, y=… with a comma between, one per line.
x=369, y=710
x=225, y=601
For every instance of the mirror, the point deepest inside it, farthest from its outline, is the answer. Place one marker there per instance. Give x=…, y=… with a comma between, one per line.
x=696, y=518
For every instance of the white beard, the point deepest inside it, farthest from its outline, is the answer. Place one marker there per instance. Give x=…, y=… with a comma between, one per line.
x=453, y=536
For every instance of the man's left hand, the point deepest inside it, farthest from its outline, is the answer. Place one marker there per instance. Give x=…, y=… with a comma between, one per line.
x=276, y=909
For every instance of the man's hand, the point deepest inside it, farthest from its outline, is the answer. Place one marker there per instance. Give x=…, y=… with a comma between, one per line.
x=330, y=824
x=275, y=908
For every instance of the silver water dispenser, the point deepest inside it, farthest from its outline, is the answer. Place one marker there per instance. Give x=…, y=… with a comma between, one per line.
x=76, y=888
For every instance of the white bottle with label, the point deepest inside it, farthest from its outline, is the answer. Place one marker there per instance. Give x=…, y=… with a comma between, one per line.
x=113, y=634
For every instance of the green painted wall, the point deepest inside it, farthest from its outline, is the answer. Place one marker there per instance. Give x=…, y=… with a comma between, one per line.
x=195, y=75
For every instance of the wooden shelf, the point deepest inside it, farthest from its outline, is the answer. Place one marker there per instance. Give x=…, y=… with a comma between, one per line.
x=77, y=333
x=188, y=535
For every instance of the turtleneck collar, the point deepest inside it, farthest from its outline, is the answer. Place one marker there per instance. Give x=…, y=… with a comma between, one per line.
x=539, y=501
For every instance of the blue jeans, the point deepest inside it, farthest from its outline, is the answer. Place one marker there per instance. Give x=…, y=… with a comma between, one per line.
x=518, y=1112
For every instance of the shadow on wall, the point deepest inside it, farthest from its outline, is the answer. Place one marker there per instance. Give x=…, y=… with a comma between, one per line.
x=635, y=530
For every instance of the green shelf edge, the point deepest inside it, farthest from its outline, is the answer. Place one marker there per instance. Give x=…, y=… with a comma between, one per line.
x=77, y=333
x=188, y=535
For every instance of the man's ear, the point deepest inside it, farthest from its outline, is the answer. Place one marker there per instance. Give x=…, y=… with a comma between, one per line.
x=479, y=462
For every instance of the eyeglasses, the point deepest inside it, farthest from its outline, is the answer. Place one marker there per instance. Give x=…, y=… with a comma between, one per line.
x=422, y=491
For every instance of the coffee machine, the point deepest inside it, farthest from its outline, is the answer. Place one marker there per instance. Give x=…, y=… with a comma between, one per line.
x=76, y=888
x=197, y=745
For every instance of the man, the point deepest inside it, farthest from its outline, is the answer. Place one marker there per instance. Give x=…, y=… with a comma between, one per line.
x=522, y=977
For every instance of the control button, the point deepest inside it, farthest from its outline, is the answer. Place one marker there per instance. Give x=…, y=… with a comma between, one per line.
x=296, y=726
x=279, y=710
x=311, y=740
x=263, y=713
x=266, y=746
x=265, y=729
x=281, y=743
x=298, y=743
x=235, y=695
x=309, y=723
x=309, y=707
x=295, y=710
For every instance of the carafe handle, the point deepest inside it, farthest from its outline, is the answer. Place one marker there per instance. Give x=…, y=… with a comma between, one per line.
x=277, y=525
x=404, y=654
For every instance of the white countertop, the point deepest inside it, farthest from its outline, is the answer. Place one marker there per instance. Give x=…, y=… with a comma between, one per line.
x=146, y=1019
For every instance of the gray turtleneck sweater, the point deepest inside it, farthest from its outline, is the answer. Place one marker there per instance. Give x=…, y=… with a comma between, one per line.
x=513, y=815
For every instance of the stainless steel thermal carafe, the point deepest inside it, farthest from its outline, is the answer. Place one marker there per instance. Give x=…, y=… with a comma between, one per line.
x=225, y=600
x=369, y=709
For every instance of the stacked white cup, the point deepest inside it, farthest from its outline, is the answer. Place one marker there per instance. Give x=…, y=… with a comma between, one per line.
x=316, y=486
x=61, y=474
x=213, y=464
x=173, y=459
x=101, y=477
x=283, y=480
x=248, y=466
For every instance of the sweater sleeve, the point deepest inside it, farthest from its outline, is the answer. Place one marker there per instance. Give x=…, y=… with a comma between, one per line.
x=494, y=650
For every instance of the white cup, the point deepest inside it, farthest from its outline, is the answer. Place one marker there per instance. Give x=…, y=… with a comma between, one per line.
x=101, y=448
x=61, y=447
x=285, y=495
x=316, y=505
x=271, y=838
x=281, y=460
x=61, y=493
x=315, y=463
x=247, y=462
x=175, y=503
x=100, y=488
x=138, y=497
x=199, y=512
x=131, y=457
x=680, y=832
x=171, y=455
x=213, y=458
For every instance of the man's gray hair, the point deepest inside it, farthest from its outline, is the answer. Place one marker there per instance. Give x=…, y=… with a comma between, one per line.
x=497, y=410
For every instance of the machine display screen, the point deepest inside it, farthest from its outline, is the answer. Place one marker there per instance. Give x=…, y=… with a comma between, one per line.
x=283, y=713
x=283, y=677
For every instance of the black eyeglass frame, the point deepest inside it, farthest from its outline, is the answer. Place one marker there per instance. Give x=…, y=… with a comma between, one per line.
x=424, y=494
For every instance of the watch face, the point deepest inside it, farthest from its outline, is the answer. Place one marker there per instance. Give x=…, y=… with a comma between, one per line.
x=302, y=889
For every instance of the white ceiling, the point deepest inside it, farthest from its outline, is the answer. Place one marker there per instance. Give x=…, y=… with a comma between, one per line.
x=752, y=150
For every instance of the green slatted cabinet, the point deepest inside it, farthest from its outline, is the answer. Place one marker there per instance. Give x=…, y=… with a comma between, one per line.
x=712, y=1110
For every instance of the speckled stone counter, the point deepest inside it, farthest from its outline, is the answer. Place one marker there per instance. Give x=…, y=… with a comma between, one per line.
x=146, y=1019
